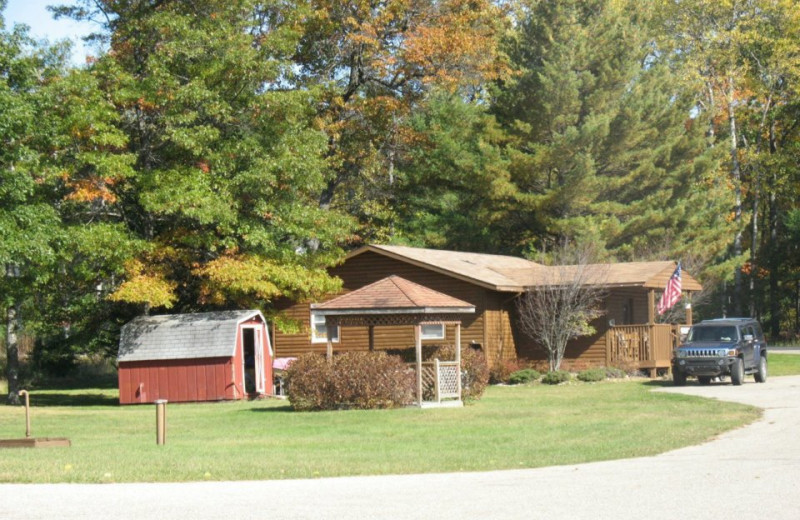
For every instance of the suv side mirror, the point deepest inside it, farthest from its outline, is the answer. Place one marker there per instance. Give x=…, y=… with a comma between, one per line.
x=748, y=337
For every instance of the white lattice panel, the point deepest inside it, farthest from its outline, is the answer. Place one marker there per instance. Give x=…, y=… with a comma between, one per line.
x=448, y=380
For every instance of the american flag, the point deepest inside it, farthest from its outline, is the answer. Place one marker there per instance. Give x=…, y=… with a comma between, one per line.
x=672, y=292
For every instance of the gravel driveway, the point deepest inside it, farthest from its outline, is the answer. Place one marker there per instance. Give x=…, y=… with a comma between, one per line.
x=750, y=472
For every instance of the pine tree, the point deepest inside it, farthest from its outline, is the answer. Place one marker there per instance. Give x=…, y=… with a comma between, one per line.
x=607, y=150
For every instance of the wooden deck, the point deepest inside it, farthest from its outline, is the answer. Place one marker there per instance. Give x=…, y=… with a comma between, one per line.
x=646, y=346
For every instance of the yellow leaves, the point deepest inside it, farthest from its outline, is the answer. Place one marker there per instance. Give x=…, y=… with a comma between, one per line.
x=458, y=43
x=244, y=278
x=150, y=288
x=90, y=189
x=237, y=274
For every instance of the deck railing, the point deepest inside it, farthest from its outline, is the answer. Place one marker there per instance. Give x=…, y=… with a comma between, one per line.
x=643, y=346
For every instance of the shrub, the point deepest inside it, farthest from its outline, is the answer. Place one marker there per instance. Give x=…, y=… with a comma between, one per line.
x=592, y=375
x=353, y=380
x=523, y=376
x=308, y=379
x=503, y=369
x=556, y=377
x=615, y=373
x=474, y=369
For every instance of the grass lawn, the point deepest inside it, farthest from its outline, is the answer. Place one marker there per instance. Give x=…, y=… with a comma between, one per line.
x=511, y=427
x=783, y=364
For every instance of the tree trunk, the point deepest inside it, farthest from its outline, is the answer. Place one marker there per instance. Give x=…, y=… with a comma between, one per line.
x=773, y=248
x=754, y=243
x=736, y=176
x=12, y=353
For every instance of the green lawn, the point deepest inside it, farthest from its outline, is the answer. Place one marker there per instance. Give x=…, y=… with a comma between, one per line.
x=783, y=364
x=511, y=427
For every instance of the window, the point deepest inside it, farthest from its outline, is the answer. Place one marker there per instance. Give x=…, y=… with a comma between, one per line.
x=627, y=311
x=434, y=331
x=319, y=332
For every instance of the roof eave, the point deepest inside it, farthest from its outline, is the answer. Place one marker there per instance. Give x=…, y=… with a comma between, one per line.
x=393, y=310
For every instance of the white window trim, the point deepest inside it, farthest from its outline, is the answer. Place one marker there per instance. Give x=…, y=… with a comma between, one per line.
x=439, y=335
x=317, y=339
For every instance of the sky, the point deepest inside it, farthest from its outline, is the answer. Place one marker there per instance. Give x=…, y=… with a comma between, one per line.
x=34, y=14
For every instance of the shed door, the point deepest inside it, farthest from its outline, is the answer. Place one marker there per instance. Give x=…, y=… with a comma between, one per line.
x=253, y=347
x=259, y=346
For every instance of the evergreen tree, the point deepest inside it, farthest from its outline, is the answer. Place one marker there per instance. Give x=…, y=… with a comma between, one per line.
x=453, y=180
x=606, y=150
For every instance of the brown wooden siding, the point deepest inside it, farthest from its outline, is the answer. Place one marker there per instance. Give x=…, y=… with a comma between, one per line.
x=500, y=344
x=370, y=267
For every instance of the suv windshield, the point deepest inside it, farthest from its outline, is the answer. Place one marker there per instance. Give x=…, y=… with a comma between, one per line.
x=713, y=333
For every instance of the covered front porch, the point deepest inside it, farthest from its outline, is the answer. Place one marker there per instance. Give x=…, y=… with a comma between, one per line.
x=647, y=346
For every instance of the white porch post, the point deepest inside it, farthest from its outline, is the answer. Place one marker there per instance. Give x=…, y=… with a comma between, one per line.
x=458, y=358
x=418, y=348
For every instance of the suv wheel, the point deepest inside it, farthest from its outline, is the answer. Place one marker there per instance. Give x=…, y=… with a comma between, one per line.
x=737, y=372
x=761, y=375
x=678, y=377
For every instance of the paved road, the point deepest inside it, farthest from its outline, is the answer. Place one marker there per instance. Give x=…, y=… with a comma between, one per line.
x=752, y=472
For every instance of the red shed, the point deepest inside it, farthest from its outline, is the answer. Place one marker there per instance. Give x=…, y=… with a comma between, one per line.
x=208, y=356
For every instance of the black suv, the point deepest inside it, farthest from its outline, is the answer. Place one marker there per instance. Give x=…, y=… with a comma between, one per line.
x=714, y=348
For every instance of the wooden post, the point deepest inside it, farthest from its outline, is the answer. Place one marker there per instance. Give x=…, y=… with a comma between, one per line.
x=161, y=421
x=651, y=306
x=458, y=359
x=372, y=338
x=418, y=348
x=27, y=413
x=689, y=314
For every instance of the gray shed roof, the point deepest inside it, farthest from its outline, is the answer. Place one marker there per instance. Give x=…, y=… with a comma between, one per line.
x=182, y=336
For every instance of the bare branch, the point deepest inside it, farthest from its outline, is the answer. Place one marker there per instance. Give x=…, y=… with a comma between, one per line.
x=563, y=302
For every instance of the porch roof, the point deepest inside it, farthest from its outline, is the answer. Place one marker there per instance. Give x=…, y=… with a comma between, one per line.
x=393, y=295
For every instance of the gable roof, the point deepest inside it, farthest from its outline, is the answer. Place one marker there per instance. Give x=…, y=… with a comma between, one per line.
x=182, y=336
x=513, y=274
x=489, y=271
x=393, y=295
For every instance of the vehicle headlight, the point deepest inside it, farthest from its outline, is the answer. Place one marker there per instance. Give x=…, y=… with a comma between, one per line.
x=732, y=352
x=680, y=353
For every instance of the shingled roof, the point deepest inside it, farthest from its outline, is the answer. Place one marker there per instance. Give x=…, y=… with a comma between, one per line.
x=182, y=336
x=513, y=274
x=396, y=295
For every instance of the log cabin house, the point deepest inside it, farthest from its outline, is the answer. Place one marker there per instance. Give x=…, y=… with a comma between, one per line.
x=626, y=334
